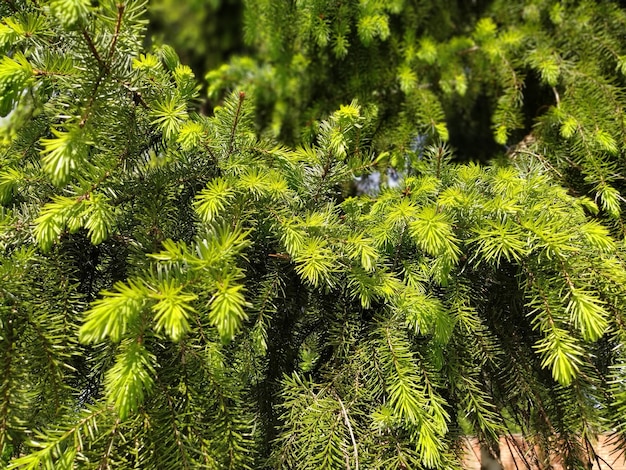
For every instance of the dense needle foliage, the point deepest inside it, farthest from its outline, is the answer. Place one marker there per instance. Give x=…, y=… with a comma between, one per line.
x=188, y=291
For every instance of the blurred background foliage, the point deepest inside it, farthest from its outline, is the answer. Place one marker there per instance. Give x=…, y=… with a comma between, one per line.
x=491, y=78
x=204, y=33
x=289, y=53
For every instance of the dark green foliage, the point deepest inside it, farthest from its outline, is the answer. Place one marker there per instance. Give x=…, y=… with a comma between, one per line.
x=203, y=32
x=481, y=75
x=183, y=291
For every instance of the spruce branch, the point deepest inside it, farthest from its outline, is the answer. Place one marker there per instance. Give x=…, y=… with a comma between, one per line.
x=103, y=66
x=346, y=418
x=106, y=456
x=182, y=451
x=233, y=130
x=118, y=25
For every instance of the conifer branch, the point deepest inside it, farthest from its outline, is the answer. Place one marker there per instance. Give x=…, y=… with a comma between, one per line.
x=104, y=67
x=177, y=432
x=233, y=130
x=6, y=395
x=511, y=439
x=47, y=73
x=92, y=99
x=104, y=462
x=118, y=24
x=349, y=425
x=557, y=97
x=13, y=7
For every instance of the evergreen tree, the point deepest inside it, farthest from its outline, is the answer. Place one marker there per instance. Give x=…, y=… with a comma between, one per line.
x=185, y=291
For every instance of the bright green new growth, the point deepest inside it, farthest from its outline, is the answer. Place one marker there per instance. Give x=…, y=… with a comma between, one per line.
x=177, y=291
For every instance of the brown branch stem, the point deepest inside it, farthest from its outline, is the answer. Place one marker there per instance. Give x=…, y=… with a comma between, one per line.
x=92, y=47
x=242, y=96
x=120, y=13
